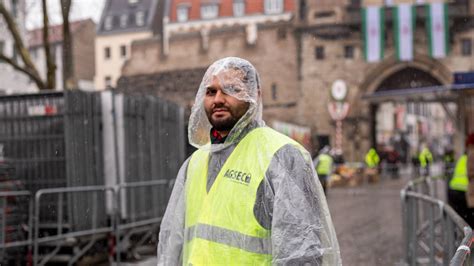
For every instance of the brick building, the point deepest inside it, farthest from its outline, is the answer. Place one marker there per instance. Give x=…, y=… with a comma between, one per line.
x=300, y=49
x=83, y=54
x=12, y=81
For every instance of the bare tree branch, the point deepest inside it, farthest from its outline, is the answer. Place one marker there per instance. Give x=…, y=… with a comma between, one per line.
x=68, y=64
x=21, y=49
x=29, y=72
x=50, y=65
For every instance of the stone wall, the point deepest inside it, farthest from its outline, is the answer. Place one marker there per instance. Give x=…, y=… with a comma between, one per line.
x=296, y=85
x=274, y=56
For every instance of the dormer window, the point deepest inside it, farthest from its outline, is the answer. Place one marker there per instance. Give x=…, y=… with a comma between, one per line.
x=108, y=22
x=209, y=11
x=239, y=8
x=182, y=13
x=273, y=6
x=140, y=18
x=123, y=20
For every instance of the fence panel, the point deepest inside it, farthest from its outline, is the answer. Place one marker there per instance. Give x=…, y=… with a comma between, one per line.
x=84, y=144
x=32, y=137
x=433, y=230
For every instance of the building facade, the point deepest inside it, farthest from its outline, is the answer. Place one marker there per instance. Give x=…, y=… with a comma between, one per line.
x=83, y=52
x=300, y=51
x=122, y=22
x=12, y=80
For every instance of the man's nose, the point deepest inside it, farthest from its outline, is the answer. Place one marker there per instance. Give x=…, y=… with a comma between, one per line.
x=219, y=98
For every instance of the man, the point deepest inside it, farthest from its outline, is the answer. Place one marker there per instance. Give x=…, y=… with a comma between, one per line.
x=248, y=195
x=458, y=187
x=426, y=159
x=323, y=165
x=372, y=159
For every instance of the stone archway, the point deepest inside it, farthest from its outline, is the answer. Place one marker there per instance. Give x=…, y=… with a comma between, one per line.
x=392, y=74
x=380, y=72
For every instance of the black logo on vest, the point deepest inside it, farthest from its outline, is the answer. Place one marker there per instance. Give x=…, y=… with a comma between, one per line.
x=238, y=176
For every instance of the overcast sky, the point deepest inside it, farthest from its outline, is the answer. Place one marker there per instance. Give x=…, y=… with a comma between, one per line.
x=80, y=9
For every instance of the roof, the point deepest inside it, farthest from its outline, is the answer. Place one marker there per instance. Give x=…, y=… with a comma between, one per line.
x=442, y=93
x=114, y=10
x=55, y=34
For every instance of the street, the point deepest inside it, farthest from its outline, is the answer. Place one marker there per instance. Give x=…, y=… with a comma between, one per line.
x=368, y=222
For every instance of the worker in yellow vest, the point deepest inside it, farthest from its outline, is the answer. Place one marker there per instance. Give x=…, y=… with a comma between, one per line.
x=372, y=159
x=248, y=195
x=426, y=159
x=323, y=164
x=458, y=187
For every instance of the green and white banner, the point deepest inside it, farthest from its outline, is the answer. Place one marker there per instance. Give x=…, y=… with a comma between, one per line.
x=404, y=25
x=438, y=29
x=373, y=29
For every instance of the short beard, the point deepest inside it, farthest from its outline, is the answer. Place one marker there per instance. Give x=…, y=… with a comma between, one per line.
x=224, y=125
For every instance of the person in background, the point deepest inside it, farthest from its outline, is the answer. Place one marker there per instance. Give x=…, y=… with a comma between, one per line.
x=249, y=195
x=426, y=159
x=372, y=159
x=324, y=166
x=458, y=187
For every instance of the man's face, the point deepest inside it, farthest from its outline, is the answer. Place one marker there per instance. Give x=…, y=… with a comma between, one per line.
x=222, y=110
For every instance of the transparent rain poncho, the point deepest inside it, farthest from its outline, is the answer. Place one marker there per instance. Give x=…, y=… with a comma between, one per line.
x=239, y=79
x=289, y=201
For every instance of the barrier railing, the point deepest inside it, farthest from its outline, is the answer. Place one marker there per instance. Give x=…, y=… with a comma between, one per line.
x=93, y=228
x=434, y=233
x=143, y=217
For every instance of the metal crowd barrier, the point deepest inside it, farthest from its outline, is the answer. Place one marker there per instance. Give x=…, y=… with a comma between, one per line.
x=22, y=236
x=434, y=233
x=144, y=224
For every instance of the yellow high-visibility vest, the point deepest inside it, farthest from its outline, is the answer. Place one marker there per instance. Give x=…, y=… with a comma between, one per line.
x=460, y=180
x=324, y=164
x=220, y=225
x=372, y=159
x=425, y=157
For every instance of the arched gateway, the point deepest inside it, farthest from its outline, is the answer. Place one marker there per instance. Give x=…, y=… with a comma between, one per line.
x=399, y=95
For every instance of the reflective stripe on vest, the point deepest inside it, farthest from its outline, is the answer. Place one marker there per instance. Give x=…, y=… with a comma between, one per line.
x=460, y=180
x=324, y=164
x=229, y=238
x=220, y=225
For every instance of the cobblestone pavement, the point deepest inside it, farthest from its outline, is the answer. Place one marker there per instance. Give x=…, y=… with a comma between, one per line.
x=368, y=222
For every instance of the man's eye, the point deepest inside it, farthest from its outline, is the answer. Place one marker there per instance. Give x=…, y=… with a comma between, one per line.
x=210, y=92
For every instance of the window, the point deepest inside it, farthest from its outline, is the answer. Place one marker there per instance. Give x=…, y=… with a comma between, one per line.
x=239, y=8
x=389, y=2
x=108, y=81
x=107, y=52
x=348, y=51
x=108, y=22
x=281, y=33
x=302, y=10
x=14, y=8
x=466, y=47
x=34, y=53
x=273, y=6
x=319, y=52
x=15, y=54
x=209, y=11
x=274, y=91
x=123, y=51
x=182, y=13
x=140, y=18
x=123, y=20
